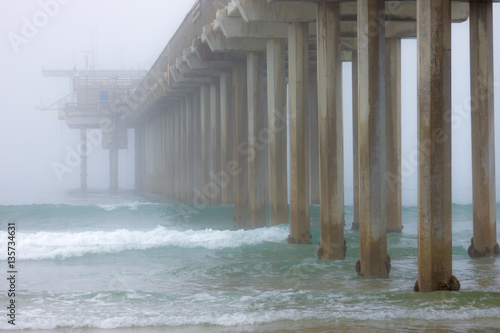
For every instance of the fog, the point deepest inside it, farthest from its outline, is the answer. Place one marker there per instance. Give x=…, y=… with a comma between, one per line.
x=128, y=34
x=118, y=34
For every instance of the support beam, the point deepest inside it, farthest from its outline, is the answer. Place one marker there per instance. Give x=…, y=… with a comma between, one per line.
x=393, y=134
x=171, y=153
x=159, y=176
x=298, y=78
x=215, y=116
x=256, y=186
x=314, y=167
x=184, y=152
x=276, y=103
x=484, y=243
x=434, y=135
x=240, y=180
x=190, y=150
x=83, y=158
x=138, y=156
x=201, y=198
x=372, y=147
x=178, y=156
x=165, y=158
x=332, y=245
x=355, y=154
x=227, y=137
x=197, y=145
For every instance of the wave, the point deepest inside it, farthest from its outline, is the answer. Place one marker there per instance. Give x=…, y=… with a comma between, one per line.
x=63, y=245
x=133, y=205
x=238, y=314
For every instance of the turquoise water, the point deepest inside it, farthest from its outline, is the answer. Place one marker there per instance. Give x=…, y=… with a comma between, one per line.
x=130, y=262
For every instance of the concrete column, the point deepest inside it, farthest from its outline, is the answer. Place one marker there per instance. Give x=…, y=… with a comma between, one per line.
x=137, y=156
x=190, y=149
x=355, y=163
x=163, y=125
x=150, y=155
x=332, y=245
x=314, y=167
x=265, y=132
x=162, y=154
x=83, y=158
x=227, y=138
x=113, y=169
x=178, y=156
x=154, y=142
x=184, y=153
x=434, y=135
x=393, y=133
x=484, y=242
x=197, y=145
x=256, y=174
x=276, y=108
x=298, y=78
x=240, y=181
x=153, y=157
x=202, y=198
x=168, y=154
x=145, y=163
x=215, y=120
x=372, y=146
x=173, y=147
x=158, y=154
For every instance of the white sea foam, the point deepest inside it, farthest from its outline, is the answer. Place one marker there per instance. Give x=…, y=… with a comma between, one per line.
x=133, y=205
x=130, y=317
x=50, y=245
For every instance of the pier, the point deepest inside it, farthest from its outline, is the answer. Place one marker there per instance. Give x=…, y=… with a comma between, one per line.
x=243, y=81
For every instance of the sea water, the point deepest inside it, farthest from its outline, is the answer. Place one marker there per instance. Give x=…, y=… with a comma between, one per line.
x=127, y=262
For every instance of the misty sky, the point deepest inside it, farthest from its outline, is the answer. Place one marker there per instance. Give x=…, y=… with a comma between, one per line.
x=123, y=34
x=128, y=34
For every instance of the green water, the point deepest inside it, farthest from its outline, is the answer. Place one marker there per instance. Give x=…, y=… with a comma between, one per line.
x=129, y=263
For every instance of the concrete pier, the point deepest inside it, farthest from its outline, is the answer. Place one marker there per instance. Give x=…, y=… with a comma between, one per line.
x=314, y=165
x=196, y=130
x=276, y=108
x=434, y=100
x=178, y=156
x=205, y=119
x=332, y=245
x=215, y=142
x=190, y=150
x=355, y=146
x=393, y=134
x=211, y=122
x=484, y=243
x=256, y=147
x=298, y=78
x=372, y=148
x=240, y=167
x=184, y=151
x=227, y=137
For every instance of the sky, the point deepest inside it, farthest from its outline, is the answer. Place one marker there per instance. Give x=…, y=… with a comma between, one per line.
x=121, y=34
x=130, y=34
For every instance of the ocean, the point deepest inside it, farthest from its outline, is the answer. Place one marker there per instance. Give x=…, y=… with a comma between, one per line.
x=130, y=262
